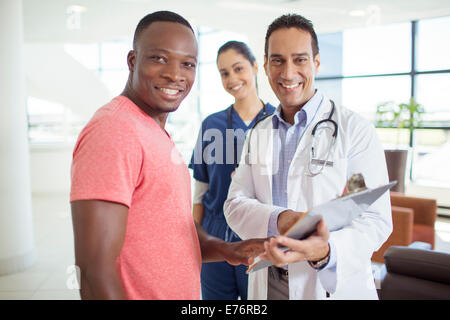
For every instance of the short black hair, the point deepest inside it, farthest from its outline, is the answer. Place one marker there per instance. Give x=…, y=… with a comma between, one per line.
x=293, y=21
x=239, y=47
x=167, y=16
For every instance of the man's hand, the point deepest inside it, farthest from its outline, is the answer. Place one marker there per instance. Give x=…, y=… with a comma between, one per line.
x=243, y=252
x=214, y=249
x=313, y=248
x=287, y=219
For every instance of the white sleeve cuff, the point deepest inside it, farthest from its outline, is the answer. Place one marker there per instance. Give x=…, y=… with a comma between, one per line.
x=200, y=189
x=273, y=223
x=328, y=275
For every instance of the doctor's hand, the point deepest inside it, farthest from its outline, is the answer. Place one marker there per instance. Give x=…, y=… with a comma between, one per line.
x=243, y=252
x=313, y=248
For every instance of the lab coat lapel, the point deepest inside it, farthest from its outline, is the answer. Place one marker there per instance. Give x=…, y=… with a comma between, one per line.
x=298, y=183
x=264, y=161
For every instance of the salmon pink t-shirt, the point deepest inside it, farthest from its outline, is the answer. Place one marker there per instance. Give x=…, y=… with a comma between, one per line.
x=124, y=156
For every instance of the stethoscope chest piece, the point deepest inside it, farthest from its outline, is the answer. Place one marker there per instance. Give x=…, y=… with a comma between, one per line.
x=322, y=149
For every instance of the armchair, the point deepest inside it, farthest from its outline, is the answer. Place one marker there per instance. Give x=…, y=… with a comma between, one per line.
x=413, y=219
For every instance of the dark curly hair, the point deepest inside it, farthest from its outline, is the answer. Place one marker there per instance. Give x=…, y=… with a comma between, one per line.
x=293, y=21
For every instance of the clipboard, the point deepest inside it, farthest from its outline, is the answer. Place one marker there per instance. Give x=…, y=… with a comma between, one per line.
x=336, y=213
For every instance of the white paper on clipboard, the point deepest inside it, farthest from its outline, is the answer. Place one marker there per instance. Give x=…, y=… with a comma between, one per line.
x=336, y=213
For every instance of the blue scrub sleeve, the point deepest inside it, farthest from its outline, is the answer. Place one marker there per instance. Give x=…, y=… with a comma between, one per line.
x=197, y=164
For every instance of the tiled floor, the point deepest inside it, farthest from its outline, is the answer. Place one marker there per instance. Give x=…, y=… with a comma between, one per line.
x=51, y=277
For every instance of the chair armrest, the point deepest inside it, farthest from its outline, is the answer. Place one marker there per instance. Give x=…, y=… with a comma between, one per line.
x=423, y=264
x=402, y=221
x=381, y=270
x=402, y=231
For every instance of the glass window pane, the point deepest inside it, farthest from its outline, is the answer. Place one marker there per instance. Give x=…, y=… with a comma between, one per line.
x=332, y=89
x=49, y=121
x=431, y=151
x=377, y=50
x=40, y=110
x=210, y=41
x=432, y=91
x=330, y=48
x=393, y=138
x=364, y=94
x=209, y=78
x=433, y=46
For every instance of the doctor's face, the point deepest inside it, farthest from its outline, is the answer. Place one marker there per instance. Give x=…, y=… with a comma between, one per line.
x=291, y=67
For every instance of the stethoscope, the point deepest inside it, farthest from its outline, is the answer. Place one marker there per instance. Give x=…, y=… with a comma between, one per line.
x=230, y=126
x=313, y=160
x=324, y=162
x=230, y=234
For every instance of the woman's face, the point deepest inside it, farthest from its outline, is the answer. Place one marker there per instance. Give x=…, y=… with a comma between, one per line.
x=237, y=73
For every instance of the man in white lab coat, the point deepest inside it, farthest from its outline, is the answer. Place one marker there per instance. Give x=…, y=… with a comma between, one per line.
x=277, y=181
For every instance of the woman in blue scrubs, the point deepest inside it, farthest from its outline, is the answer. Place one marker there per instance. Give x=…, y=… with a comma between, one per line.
x=215, y=157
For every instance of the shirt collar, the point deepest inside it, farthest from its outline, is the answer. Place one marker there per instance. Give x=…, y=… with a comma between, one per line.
x=303, y=116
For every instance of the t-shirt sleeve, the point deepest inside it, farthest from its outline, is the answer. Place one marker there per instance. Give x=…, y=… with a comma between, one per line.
x=106, y=163
x=197, y=163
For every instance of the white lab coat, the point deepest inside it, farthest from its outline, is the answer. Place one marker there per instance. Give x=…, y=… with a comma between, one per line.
x=249, y=203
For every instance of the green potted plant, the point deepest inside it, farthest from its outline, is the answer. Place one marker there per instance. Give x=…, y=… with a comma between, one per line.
x=399, y=116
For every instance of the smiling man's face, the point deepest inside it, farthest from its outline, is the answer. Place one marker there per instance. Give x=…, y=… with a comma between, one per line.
x=291, y=67
x=162, y=65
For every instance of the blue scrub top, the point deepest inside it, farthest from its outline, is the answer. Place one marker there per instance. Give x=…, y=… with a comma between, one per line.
x=218, y=175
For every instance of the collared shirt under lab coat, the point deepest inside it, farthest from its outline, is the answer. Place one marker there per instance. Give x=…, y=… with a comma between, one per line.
x=249, y=204
x=285, y=144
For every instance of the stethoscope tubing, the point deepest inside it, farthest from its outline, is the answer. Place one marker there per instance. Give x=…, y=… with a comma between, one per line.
x=313, y=132
x=230, y=126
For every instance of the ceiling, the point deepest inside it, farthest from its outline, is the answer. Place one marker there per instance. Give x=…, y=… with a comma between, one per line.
x=46, y=20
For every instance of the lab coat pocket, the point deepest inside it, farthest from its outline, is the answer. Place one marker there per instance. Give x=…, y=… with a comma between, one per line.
x=330, y=183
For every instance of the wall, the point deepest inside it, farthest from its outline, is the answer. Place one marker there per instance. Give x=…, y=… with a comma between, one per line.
x=50, y=168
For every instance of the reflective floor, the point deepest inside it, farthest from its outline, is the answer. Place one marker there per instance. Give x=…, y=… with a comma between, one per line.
x=52, y=276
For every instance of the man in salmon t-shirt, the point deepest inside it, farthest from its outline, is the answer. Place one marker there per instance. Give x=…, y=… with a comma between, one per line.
x=135, y=237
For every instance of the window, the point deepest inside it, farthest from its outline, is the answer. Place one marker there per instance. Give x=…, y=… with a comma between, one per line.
x=433, y=47
x=362, y=68
x=377, y=50
x=364, y=94
x=431, y=151
x=432, y=90
x=213, y=97
x=88, y=75
x=330, y=46
x=206, y=97
x=66, y=90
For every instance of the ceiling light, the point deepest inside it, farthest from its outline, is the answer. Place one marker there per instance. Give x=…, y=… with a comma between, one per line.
x=75, y=9
x=357, y=13
x=73, y=21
